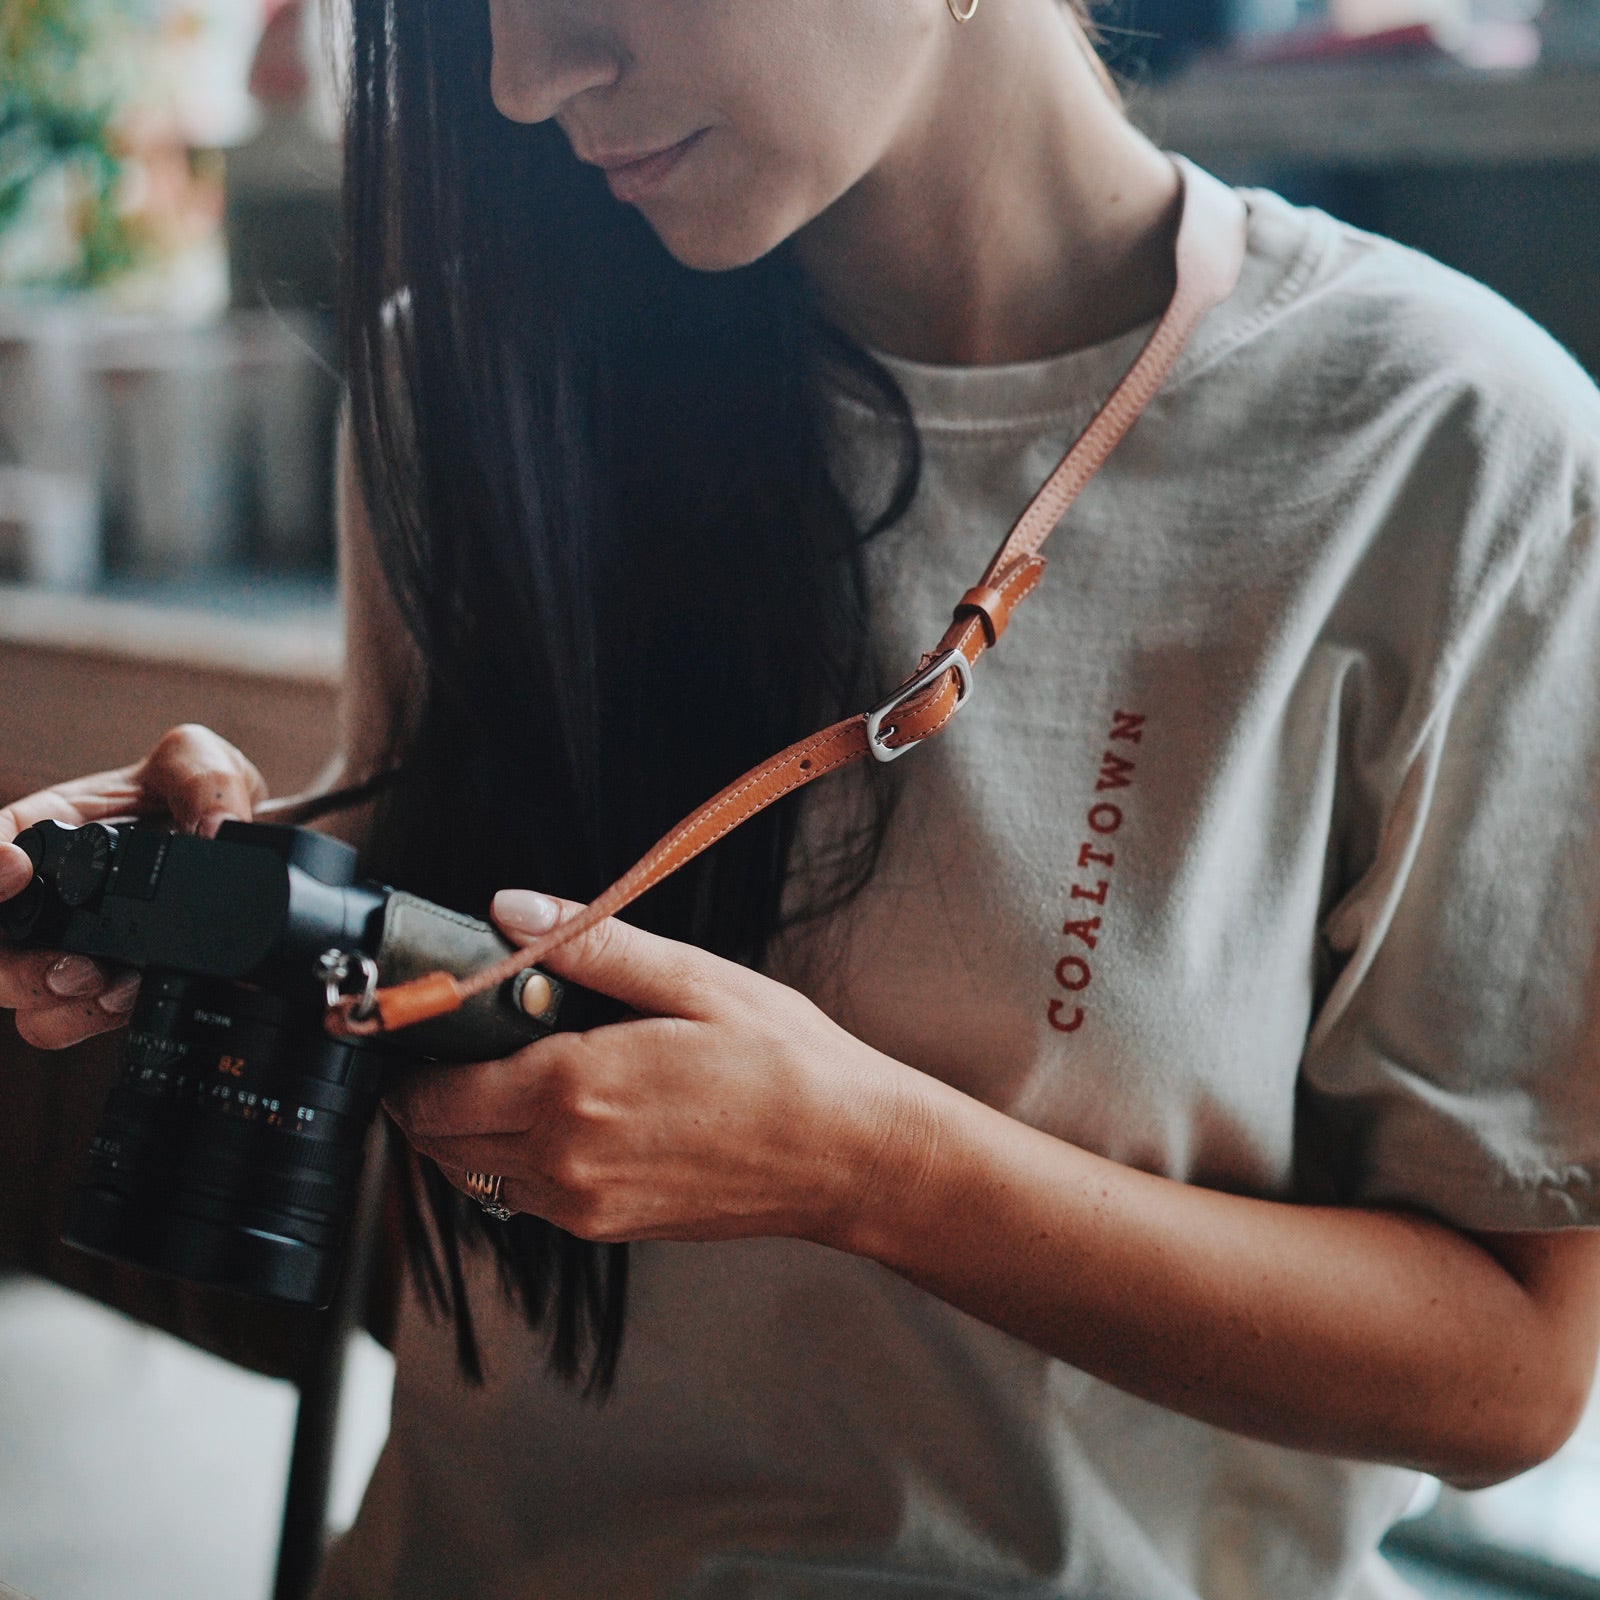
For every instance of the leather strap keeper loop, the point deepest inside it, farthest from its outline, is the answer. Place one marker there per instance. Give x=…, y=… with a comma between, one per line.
x=990, y=605
x=435, y=995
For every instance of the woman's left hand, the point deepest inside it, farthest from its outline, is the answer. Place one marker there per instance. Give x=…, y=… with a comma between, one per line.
x=731, y=1107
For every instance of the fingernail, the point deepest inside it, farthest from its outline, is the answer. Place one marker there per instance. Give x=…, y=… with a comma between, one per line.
x=526, y=911
x=121, y=995
x=16, y=871
x=72, y=976
x=212, y=821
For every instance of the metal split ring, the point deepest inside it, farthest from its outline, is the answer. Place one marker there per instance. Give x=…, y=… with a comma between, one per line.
x=485, y=1187
x=336, y=968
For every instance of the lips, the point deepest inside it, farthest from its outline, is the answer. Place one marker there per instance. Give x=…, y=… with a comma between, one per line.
x=632, y=175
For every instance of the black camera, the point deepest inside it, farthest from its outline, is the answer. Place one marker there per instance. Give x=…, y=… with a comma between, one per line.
x=230, y=1150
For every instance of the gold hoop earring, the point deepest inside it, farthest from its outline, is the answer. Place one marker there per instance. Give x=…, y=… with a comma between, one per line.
x=961, y=15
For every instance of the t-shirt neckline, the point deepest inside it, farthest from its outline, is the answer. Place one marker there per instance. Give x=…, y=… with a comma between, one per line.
x=1014, y=394
x=1026, y=394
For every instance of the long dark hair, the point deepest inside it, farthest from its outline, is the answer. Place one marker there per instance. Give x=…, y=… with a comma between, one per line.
x=601, y=491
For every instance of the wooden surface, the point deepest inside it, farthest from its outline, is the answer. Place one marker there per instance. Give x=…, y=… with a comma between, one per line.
x=1236, y=119
x=87, y=684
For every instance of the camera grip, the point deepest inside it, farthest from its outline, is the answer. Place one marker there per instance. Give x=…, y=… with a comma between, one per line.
x=420, y=937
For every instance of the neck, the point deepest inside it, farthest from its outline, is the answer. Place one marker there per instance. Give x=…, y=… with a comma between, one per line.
x=1019, y=214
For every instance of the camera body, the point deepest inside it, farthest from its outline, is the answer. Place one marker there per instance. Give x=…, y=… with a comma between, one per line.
x=230, y=1149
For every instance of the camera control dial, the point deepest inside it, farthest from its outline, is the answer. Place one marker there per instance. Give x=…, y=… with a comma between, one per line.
x=86, y=864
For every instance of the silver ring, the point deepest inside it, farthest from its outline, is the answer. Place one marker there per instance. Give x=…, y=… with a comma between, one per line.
x=336, y=968
x=484, y=1187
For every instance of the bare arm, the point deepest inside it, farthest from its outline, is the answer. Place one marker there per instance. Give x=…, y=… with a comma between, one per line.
x=1363, y=1333
x=735, y=1108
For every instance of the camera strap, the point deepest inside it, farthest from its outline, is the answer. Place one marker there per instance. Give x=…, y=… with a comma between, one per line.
x=1210, y=252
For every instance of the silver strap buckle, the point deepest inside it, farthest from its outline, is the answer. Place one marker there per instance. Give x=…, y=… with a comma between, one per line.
x=880, y=729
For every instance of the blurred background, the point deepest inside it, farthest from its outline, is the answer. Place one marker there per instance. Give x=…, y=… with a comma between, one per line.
x=169, y=175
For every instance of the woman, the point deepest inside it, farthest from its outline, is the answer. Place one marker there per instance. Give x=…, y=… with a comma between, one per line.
x=1116, y=1160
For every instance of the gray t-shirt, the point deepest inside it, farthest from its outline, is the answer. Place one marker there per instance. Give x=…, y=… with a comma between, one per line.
x=1267, y=857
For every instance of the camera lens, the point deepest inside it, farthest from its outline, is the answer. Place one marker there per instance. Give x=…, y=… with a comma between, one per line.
x=231, y=1148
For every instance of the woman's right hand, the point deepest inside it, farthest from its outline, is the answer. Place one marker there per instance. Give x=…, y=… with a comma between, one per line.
x=192, y=774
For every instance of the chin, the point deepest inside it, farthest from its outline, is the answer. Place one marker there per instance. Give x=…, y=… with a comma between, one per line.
x=719, y=244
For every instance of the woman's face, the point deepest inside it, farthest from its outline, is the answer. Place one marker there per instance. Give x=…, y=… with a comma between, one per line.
x=730, y=124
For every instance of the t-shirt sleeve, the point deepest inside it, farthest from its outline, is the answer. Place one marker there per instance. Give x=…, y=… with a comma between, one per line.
x=1454, y=1064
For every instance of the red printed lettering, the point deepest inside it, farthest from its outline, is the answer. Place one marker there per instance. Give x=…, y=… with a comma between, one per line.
x=1071, y=1025
x=1073, y=974
x=1105, y=818
x=1116, y=772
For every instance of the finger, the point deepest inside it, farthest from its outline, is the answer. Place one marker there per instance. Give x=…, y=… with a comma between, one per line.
x=16, y=871
x=519, y=1194
x=41, y=977
x=662, y=977
x=68, y=1022
x=118, y=997
x=91, y=799
x=489, y=1097
x=506, y=1153
x=202, y=778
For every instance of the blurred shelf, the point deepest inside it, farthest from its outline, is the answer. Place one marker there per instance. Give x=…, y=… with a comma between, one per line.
x=1238, y=119
x=1380, y=113
x=278, y=628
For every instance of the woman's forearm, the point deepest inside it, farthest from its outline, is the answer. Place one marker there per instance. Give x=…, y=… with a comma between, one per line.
x=1359, y=1333
x=732, y=1107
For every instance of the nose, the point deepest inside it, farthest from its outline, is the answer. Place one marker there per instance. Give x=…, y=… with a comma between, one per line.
x=546, y=55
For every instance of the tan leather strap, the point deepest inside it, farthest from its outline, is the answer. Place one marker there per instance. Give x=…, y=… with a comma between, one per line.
x=1210, y=254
